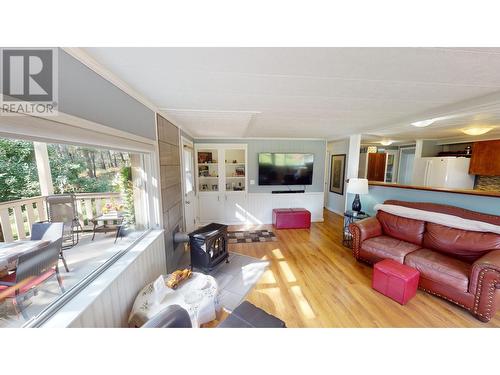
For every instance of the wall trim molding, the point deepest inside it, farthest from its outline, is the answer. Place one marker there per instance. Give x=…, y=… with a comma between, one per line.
x=258, y=138
x=334, y=211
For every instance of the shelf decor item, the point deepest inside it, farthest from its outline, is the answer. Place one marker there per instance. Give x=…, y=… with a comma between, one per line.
x=177, y=277
x=240, y=171
x=337, y=172
x=203, y=171
x=357, y=186
x=204, y=157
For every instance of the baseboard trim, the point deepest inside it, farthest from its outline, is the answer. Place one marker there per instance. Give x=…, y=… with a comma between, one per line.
x=334, y=211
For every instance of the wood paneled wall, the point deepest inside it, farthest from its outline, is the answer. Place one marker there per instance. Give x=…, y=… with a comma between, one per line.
x=171, y=191
x=108, y=300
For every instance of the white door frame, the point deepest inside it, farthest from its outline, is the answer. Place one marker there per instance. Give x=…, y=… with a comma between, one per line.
x=187, y=142
x=326, y=183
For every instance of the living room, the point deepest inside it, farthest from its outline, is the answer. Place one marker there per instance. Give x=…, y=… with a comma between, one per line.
x=286, y=178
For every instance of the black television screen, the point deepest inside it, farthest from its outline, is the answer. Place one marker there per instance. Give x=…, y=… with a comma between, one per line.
x=285, y=169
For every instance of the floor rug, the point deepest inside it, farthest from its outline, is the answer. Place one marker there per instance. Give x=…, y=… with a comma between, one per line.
x=250, y=236
x=237, y=278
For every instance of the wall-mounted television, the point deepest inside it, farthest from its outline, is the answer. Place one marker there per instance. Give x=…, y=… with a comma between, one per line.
x=285, y=168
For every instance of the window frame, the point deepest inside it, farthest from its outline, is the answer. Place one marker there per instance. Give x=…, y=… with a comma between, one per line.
x=68, y=129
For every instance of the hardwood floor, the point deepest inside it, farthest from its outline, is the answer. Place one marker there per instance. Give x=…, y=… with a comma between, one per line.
x=313, y=281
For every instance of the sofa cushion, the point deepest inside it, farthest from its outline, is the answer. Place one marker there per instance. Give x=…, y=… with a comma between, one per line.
x=462, y=244
x=440, y=268
x=402, y=228
x=385, y=247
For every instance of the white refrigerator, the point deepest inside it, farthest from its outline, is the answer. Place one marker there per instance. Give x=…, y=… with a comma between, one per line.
x=443, y=172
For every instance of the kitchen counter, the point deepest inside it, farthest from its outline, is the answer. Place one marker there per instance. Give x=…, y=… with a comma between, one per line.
x=457, y=191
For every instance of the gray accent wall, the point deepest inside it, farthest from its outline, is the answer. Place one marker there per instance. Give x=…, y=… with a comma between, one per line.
x=256, y=146
x=85, y=94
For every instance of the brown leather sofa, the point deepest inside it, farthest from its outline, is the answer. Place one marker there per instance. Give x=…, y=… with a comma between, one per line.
x=460, y=266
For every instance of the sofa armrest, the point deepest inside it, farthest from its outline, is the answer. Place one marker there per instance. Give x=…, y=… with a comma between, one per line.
x=485, y=285
x=363, y=230
x=489, y=261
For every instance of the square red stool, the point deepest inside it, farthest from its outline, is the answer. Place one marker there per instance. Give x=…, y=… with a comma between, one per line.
x=291, y=218
x=395, y=280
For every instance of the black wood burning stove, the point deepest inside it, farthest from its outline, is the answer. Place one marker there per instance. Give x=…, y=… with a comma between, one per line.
x=208, y=246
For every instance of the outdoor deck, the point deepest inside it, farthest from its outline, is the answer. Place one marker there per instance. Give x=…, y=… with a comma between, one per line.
x=82, y=259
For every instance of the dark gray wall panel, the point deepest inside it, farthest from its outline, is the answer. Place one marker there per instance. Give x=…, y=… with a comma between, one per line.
x=85, y=94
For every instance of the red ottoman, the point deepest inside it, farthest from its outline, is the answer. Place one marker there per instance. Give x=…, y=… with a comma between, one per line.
x=291, y=218
x=395, y=280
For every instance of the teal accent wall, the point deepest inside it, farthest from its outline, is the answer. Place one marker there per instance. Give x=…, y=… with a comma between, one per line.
x=379, y=194
x=256, y=146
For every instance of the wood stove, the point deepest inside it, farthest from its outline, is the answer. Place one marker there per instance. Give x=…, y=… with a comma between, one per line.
x=208, y=246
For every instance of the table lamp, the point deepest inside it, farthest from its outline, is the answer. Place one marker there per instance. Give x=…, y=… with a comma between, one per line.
x=357, y=186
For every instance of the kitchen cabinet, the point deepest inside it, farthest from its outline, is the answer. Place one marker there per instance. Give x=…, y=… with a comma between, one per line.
x=211, y=207
x=485, y=159
x=376, y=167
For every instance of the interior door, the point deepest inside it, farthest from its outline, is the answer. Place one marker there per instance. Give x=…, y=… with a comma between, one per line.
x=189, y=191
x=376, y=166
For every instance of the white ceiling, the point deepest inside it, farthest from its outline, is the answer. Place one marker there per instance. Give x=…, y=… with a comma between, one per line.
x=314, y=92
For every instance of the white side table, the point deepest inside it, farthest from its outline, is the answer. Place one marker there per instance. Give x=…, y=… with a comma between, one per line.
x=199, y=295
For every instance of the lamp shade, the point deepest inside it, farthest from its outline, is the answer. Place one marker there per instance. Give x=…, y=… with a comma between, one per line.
x=357, y=186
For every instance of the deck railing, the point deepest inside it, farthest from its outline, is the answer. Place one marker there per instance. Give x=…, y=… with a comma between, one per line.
x=16, y=217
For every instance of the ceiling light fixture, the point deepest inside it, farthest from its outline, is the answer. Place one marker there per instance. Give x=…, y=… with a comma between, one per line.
x=476, y=131
x=424, y=123
x=386, y=143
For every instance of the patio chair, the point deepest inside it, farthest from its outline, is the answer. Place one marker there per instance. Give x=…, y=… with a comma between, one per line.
x=33, y=269
x=62, y=208
x=49, y=232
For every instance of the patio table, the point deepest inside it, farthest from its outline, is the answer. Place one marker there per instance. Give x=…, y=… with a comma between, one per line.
x=10, y=252
x=116, y=220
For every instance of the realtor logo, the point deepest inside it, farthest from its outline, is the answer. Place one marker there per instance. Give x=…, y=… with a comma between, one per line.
x=28, y=81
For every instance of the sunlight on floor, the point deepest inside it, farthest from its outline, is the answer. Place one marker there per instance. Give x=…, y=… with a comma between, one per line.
x=274, y=296
x=304, y=306
x=267, y=278
x=287, y=272
x=278, y=254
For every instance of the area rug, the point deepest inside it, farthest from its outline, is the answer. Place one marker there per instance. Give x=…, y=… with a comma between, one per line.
x=237, y=278
x=250, y=236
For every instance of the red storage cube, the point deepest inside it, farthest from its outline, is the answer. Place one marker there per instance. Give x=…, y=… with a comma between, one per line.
x=291, y=218
x=395, y=280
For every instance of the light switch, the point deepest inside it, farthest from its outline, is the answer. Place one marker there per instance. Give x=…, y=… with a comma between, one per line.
x=252, y=182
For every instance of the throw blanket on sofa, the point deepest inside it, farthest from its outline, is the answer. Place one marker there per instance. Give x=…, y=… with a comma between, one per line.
x=439, y=218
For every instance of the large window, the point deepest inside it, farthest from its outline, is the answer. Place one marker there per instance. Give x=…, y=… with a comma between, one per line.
x=99, y=195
